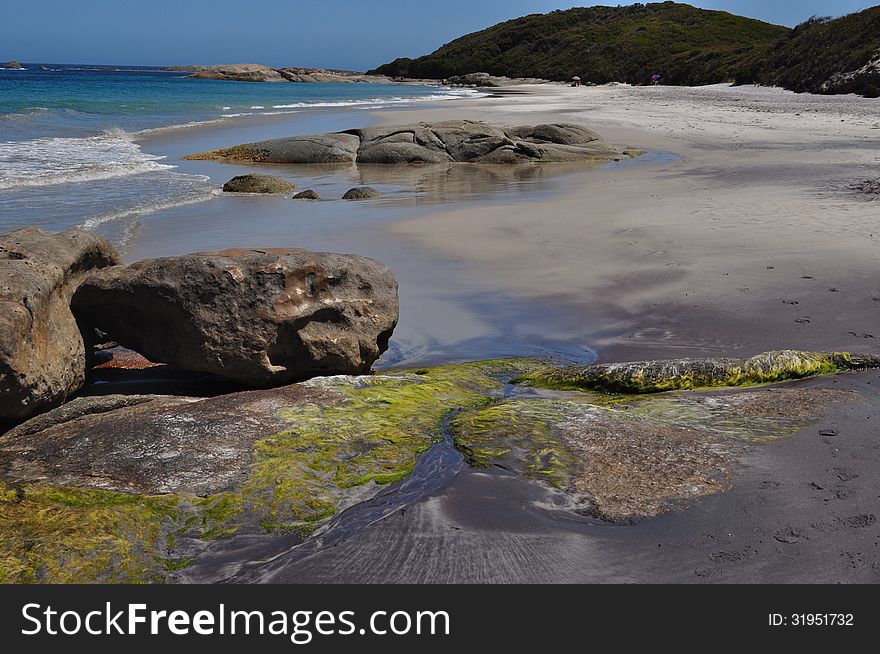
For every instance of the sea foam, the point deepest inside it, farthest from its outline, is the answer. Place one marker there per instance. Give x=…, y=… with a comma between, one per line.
x=59, y=160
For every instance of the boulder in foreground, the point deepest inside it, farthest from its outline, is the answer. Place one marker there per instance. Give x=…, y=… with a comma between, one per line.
x=253, y=183
x=42, y=356
x=258, y=317
x=308, y=194
x=452, y=141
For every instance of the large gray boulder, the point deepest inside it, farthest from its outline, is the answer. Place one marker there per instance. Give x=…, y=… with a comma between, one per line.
x=463, y=141
x=42, y=355
x=259, y=317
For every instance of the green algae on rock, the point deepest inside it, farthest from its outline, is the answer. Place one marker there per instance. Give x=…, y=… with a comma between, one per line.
x=52, y=534
x=629, y=460
x=280, y=461
x=683, y=374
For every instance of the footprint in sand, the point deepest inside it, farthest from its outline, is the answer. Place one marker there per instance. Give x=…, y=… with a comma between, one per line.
x=708, y=573
x=733, y=556
x=845, y=474
x=790, y=535
x=859, y=521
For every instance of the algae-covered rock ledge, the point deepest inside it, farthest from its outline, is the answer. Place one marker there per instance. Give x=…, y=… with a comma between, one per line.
x=126, y=504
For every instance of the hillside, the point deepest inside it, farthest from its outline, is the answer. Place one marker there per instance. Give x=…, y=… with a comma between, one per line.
x=603, y=44
x=827, y=56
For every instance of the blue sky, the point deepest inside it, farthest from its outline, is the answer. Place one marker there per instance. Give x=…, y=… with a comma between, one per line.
x=352, y=34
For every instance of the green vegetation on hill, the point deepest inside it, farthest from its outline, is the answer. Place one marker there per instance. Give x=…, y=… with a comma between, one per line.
x=603, y=44
x=827, y=56
x=684, y=44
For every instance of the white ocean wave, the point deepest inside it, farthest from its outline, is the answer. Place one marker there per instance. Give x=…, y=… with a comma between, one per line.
x=195, y=195
x=55, y=160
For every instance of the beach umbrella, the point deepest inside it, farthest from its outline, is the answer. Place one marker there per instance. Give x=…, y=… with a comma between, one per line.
x=576, y=78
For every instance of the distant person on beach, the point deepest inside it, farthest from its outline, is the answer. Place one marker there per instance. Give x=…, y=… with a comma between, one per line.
x=655, y=79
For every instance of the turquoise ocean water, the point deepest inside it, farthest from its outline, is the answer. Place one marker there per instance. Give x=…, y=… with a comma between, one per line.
x=69, y=136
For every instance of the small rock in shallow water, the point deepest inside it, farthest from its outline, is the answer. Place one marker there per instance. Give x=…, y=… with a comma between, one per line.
x=361, y=193
x=252, y=183
x=308, y=194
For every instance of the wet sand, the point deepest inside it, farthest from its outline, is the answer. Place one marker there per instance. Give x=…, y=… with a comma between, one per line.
x=751, y=241
x=449, y=312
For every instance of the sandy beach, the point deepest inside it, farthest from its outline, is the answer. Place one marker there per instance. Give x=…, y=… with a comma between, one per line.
x=750, y=241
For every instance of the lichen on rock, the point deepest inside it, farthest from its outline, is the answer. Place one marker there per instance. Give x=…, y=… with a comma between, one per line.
x=682, y=374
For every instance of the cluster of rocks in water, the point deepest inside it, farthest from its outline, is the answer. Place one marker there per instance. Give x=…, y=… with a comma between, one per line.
x=257, y=317
x=255, y=183
x=456, y=141
x=260, y=73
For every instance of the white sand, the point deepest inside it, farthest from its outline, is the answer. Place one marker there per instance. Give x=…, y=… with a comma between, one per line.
x=732, y=248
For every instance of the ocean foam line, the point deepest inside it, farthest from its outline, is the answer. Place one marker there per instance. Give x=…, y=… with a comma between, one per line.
x=48, y=161
x=169, y=128
x=95, y=173
x=367, y=103
x=94, y=222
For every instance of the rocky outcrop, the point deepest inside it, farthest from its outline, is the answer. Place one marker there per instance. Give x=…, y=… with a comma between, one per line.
x=260, y=73
x=42, y=356
x=361, y=193
x=240, y=73
x=296, y=74
x=456, y=141
x=253, y=183
x=308, y=194
x=864, y=80
x=12, y=65
x=258, y=317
